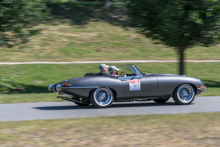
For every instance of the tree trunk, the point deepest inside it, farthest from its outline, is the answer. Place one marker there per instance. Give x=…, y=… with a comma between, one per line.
x=181, y=60
x=107, y=3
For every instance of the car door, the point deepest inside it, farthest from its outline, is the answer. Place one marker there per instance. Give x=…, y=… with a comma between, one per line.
x=136, y=84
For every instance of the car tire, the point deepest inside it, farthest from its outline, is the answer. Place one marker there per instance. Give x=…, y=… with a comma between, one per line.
x=161, y=101
x=82, y=104
x=101, y=97
x=184, y=94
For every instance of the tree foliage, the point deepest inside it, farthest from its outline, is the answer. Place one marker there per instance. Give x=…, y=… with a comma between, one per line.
x=177, y=23
x=17, y=18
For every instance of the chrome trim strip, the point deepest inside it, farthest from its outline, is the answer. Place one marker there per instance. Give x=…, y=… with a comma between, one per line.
x=129, y=77
x=81, y=87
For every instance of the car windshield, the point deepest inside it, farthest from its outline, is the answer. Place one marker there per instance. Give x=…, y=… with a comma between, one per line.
x=125, y=68
x=128, y=69
x=138, y=71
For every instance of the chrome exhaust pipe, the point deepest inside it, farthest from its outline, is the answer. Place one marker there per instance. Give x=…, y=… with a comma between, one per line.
x=68, y=99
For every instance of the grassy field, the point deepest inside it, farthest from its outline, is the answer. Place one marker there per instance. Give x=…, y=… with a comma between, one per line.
x=35, y=78
x=91, y=32
x=191, y=130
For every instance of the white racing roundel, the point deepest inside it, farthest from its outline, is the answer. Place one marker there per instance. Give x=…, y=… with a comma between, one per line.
x=134, y=85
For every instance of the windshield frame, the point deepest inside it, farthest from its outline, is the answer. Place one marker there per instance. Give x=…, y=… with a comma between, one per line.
x=138, y=73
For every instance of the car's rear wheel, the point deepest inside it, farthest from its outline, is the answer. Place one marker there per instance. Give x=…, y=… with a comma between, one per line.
x=101, y=97
x=184, y=94
x=162, y=100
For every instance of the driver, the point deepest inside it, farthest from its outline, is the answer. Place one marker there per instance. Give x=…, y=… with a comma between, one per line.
x=114, y=71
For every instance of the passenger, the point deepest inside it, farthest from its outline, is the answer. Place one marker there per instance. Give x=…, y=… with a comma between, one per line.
x=103, y=68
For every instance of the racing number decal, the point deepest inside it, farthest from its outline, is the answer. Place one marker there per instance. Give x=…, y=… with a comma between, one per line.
x=134, y=85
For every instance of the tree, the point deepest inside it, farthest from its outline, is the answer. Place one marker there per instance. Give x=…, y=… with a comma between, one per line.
x=180, y=24
x=17, y=18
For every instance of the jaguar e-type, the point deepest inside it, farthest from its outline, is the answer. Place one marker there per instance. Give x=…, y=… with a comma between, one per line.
x=101, y=90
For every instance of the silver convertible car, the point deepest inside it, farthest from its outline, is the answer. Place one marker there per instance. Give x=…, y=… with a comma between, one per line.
x=101, y=90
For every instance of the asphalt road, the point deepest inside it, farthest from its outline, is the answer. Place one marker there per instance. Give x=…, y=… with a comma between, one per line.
x=61, y=110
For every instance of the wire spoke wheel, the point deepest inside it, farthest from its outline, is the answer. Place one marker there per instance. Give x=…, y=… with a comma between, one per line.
x=184, y=94
x=102, y=97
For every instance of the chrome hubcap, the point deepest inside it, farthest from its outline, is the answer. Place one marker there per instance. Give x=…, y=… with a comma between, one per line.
x=103, y=96
x=185, y=93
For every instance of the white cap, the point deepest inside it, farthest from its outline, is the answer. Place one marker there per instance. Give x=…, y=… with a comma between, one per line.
x=103, y=66
x=111, y=68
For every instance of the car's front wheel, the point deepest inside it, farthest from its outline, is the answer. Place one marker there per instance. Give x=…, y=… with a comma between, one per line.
x=184, y=94
x=101, y=97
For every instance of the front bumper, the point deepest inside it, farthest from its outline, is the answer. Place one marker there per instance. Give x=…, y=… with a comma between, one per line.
x=54, y=87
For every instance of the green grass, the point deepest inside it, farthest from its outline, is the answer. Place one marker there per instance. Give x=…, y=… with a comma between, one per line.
x=77, y=32
x=35, y=78
x=29, y=97
x=196, y=130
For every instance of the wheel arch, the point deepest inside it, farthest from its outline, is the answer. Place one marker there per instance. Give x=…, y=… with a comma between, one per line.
x=114, y=91
x=91, y=92
x=193, y=86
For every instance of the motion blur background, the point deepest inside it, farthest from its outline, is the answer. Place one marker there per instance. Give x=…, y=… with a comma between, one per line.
x=105, y=31
x=96, y=30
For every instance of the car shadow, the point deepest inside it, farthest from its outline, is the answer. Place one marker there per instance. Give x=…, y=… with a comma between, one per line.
x=61, y=107
x=115, y=105
x=151, y=104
